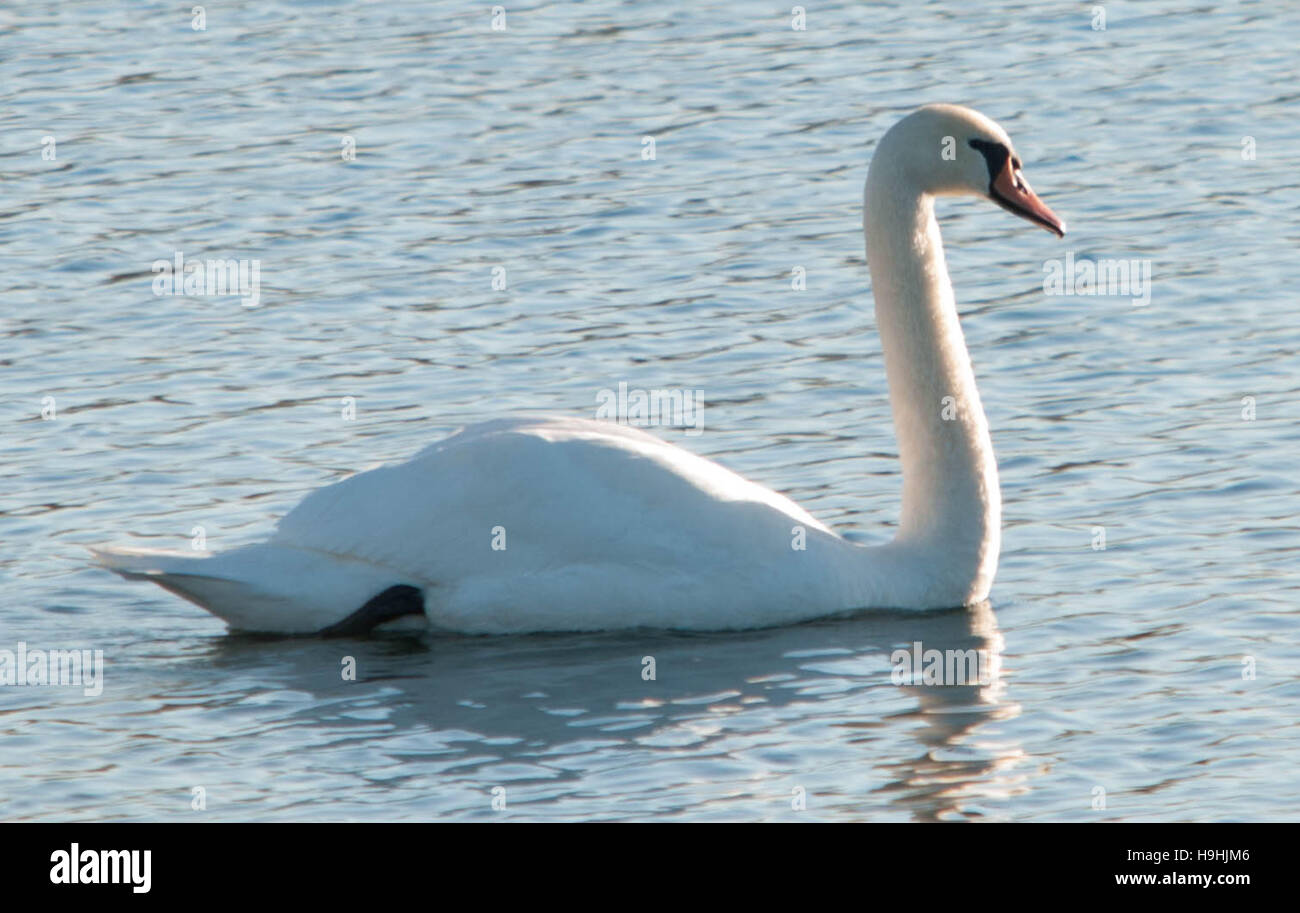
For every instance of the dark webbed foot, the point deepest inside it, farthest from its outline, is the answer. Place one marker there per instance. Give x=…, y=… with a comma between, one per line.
x=393, y=602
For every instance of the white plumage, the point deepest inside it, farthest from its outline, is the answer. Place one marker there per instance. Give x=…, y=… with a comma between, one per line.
x=605, y=526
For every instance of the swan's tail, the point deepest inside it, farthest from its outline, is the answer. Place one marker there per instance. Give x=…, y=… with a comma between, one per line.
x=273, y=588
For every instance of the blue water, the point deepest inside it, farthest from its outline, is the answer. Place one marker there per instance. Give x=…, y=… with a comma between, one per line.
x=1118, y=691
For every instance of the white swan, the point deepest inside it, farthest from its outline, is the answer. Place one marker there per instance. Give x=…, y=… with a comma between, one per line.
x=608, y=527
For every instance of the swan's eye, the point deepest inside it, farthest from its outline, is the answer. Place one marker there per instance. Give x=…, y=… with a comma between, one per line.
x=1015, y=163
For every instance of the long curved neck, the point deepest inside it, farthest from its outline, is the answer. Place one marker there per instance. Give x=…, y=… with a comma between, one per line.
x=951, y=503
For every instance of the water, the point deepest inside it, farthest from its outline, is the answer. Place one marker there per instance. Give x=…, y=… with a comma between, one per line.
x=1118, y=669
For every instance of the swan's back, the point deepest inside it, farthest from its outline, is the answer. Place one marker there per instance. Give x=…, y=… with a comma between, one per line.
x=561, y=523
x=526, y=524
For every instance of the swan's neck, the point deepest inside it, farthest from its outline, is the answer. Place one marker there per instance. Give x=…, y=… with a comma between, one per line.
x=951, y=508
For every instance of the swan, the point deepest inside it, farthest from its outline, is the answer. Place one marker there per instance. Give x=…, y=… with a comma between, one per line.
x=566, y=524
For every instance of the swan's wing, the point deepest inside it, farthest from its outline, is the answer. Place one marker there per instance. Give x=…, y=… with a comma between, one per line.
x=530, y=495
x=521, y=525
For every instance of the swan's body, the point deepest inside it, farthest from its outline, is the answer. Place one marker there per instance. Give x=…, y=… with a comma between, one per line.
x=608, y=527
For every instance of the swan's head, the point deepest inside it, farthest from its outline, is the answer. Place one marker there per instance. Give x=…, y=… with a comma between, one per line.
x=948, y=149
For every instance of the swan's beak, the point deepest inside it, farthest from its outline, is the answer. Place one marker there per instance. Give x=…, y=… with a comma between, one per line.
x=1012, y=192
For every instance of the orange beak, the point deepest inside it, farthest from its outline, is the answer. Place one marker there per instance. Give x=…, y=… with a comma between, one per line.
x=1012, y=192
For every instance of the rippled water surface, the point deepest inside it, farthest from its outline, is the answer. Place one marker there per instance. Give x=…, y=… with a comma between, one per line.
x=1116, y=670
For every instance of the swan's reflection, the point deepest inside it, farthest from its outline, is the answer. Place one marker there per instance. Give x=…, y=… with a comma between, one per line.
x=953, y=766
x=530, y=697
